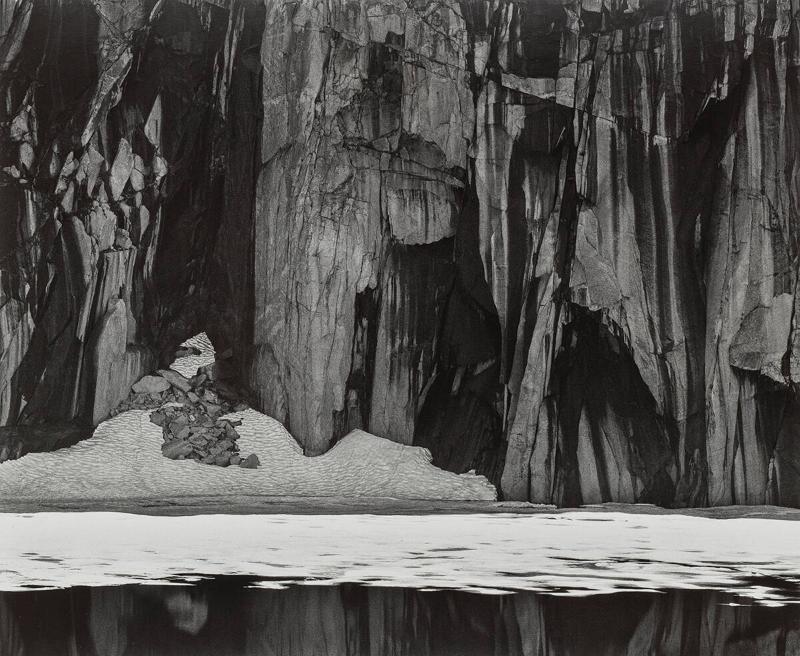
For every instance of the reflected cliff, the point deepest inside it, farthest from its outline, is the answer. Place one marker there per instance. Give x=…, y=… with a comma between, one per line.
x=231, y=616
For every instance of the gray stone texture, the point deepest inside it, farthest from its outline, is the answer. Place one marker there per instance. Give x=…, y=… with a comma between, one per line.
x=555, y=241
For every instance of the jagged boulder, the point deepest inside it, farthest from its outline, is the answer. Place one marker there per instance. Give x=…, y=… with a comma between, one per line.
x=151, y=385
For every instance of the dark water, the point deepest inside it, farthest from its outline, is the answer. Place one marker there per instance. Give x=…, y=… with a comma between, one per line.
x=230, y=616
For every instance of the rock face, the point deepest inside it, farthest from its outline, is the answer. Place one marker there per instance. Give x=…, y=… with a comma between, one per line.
x=86, y=304
x=555, y=241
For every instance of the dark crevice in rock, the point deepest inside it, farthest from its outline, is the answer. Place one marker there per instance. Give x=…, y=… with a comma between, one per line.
x=460, y=424
x=180, y=67
x=612, y=444
x=358, y=397
x=461, y=419
x=230, y=276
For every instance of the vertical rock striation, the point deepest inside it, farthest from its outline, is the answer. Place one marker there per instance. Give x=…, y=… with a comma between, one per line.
x=677, y=241
x=552, y=240
x=110, y=195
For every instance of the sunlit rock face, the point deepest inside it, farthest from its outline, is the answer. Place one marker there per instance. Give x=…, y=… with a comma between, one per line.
x=554, y=241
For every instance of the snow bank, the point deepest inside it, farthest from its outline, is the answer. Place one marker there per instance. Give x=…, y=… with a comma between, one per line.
x=123, y=459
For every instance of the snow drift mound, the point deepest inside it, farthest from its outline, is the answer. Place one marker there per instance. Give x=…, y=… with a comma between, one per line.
x=123, y=459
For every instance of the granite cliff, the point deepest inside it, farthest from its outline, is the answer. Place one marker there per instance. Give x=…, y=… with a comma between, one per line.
x=555, y=241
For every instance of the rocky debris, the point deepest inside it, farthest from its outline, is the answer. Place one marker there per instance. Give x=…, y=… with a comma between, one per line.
x=189, y=412
x=175, y=379
x=191, y=432
x=151, y=385
x=250, y=462
x=183, y=351
x=176, y=449
x=168, y=386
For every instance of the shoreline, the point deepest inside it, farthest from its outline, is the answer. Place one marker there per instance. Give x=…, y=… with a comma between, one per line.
x=292, y=505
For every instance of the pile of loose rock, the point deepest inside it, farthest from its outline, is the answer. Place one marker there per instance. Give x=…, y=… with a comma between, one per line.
x=191, y=433
x=168, y=386
x=188, y=410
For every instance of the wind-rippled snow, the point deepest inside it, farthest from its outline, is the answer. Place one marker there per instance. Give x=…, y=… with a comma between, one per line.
x=123, y=459
x=188, y=365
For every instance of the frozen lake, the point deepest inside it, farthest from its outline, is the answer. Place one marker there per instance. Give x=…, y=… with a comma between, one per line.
x=568, y=553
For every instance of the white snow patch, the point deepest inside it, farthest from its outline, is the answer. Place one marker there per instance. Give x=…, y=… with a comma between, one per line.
x=188, y=365
x=123, y=459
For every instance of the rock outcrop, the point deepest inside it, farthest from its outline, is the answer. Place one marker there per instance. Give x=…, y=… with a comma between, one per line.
x=552, y=240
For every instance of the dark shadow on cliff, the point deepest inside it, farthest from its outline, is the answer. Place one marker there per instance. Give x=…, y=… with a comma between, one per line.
x=612, y=442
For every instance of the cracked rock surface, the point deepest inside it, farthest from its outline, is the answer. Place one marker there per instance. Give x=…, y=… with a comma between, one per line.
x=554, y=241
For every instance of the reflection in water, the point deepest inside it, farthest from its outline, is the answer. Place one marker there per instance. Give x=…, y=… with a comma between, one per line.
x=227, y=616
